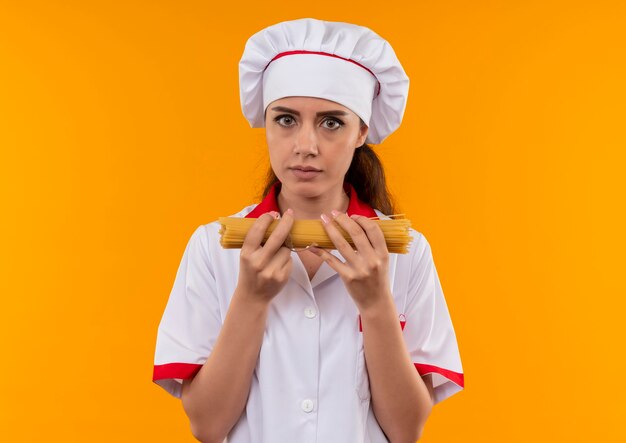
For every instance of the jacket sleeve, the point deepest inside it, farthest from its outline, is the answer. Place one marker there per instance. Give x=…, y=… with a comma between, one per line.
x=428, y=331
x=191, y=321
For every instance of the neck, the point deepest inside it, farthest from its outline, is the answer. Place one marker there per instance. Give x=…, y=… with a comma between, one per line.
x=307, y=208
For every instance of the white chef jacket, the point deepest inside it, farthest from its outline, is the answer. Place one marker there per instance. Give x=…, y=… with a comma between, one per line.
x=310, y=383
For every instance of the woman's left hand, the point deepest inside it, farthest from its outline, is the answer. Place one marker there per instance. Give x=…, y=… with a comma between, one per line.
x=366, y=270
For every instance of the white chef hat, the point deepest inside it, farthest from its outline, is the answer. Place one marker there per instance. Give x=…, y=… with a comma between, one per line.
x=342, y=62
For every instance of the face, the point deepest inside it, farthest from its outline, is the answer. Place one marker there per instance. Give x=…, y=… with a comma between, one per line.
x=310, y=132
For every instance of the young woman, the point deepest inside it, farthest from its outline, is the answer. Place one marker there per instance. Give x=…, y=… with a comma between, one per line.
x=271, y=344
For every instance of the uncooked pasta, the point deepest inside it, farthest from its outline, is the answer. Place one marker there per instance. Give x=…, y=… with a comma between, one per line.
x=306, y=232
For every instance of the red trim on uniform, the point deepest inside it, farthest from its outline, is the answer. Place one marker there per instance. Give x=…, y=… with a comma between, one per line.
x=402, y=323
x=456, y=377
x=282, y=54
x=175, y=370
x=270, y=202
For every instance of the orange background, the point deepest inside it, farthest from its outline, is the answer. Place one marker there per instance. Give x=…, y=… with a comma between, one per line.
x=121, y=132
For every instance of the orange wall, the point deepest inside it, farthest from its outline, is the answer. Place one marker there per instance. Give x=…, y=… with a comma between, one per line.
x=121, y=132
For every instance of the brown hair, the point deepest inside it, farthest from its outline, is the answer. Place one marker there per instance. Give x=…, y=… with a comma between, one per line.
x=366, y=174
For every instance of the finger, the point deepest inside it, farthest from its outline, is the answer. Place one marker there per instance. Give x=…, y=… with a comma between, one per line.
x=338, y=240
x=282, y=257
x=340, y=267
x=277, y=261
x=287, y=267
x=356, y=232
x=256, y=233
x=285, y=271
x=374, y=232
x=279, y=234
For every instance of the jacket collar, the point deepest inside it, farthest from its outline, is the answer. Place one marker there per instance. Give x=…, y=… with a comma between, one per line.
x=270, y=202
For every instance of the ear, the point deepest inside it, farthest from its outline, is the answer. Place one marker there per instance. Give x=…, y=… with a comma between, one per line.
x=363, y=131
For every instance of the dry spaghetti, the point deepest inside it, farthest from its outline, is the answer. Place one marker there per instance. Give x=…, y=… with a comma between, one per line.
x=303, y=233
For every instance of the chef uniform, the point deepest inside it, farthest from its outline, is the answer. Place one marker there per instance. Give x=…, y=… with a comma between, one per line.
x=310, y=383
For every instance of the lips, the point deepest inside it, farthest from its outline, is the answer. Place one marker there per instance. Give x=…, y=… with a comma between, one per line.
x=306, y=168
x=305, y=174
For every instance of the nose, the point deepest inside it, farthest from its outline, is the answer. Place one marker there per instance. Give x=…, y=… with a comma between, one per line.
x=306, y=141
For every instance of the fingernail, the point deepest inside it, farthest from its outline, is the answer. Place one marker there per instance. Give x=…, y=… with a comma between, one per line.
x=275, y=214
x=289, y=211
x=325, y=219
x=335, y=213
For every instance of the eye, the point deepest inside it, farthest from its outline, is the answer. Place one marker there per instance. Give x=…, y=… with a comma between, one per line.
x=284, y=120
x=333, y=123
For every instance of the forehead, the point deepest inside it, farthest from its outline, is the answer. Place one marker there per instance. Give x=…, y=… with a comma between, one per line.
x=308, y=104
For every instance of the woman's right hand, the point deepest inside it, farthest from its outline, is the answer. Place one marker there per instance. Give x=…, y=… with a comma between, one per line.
x=264, y=270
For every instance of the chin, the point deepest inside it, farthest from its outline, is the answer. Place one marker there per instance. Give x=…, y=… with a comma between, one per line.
x=304, y=188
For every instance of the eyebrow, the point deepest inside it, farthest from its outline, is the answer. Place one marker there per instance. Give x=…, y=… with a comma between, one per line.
x=293, y=111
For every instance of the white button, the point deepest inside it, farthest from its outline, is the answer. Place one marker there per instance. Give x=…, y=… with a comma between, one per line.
x=307, y=405
x=310, y=312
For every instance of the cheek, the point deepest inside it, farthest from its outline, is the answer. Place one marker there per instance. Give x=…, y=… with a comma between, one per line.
x=342, y=157
x=275, y=158
x=278, y=154
x=348, y=160
x=275, y=138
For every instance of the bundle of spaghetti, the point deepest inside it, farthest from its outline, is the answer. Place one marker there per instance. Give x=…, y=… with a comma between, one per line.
x=306, y=232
